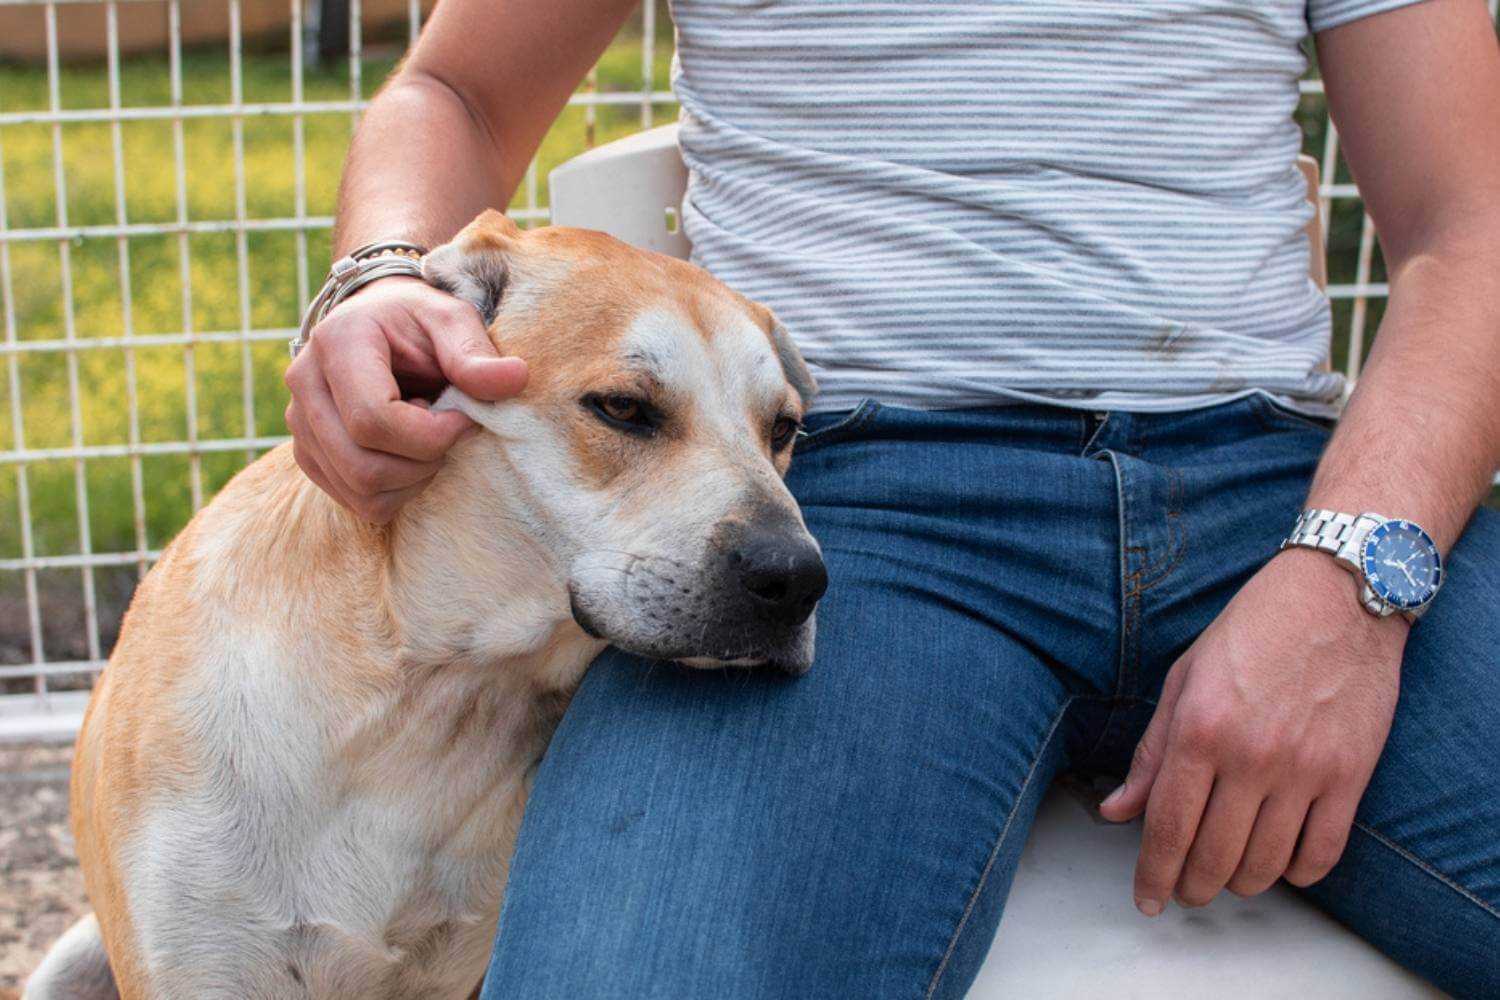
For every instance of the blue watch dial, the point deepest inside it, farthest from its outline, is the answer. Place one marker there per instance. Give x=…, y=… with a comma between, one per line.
x=1402, y=564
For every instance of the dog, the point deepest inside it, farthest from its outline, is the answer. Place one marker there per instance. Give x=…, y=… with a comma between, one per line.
x=303, y=770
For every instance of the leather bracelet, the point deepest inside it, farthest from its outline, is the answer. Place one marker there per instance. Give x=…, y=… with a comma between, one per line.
x=350, y=273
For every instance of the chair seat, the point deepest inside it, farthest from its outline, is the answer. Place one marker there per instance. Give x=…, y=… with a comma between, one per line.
x=1071, y=930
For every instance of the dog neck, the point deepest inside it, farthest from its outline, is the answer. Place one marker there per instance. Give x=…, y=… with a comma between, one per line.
x=470, y=575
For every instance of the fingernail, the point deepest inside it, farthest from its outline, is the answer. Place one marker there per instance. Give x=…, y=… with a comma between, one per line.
x=1113, y=796
x=1150, y=907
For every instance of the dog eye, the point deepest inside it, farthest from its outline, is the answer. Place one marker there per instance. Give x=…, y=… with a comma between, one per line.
x=783, y=431
x=623, y=412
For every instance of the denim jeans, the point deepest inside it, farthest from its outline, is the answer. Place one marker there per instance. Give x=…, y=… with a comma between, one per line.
x=1008, y=588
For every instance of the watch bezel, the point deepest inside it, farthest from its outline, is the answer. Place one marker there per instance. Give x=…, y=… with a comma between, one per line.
x=1367, y=564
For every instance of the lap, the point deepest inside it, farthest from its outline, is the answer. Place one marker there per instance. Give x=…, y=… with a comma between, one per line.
x=848, y=833
x=741, y=834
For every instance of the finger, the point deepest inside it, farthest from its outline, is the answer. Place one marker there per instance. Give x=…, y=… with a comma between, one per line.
x=314, y=470
x=1220, y=842
x=1129, y=800
x=1269, y=850
x=306, y=452
x=1172, y=813
x=382, y=507
x=356, y=366
x=361, y=471
x=379, y=508
x=1324, y=836
x=469, y=360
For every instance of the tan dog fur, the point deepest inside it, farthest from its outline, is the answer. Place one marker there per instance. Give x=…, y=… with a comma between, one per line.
x=303, y=770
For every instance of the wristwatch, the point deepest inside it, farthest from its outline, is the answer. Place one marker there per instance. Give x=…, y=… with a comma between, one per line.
x=1396, y=561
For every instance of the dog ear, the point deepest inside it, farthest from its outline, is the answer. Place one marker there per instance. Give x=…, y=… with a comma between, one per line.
x=473, y=265
x=797, y=373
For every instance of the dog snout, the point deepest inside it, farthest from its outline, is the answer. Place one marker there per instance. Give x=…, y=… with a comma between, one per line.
x=782, y=574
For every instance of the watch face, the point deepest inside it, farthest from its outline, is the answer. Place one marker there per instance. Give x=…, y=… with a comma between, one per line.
x=1402, y=565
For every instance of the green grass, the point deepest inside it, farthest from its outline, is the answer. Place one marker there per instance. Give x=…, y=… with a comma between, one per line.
x=270, y=295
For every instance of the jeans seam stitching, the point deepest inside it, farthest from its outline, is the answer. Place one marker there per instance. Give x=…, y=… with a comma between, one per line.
x=989, y=863
x=837, y=432
x=1125, y=575
x=1426, y=867
x=1176, y=537
x=1272, y=417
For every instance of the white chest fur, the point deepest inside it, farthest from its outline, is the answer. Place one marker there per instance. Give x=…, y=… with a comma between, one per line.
x=341, y=847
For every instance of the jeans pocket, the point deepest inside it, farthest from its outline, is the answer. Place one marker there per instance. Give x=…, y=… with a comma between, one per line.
x=829, y=428
x=1274, y=415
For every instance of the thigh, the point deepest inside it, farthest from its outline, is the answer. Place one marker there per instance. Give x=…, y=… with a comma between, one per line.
x=741, y=834
x=1421, y=875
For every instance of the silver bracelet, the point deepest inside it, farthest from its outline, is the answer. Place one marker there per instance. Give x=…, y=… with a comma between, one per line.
x=350, y=273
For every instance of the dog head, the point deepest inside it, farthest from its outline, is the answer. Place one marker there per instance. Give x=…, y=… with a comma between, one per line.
x=649, y=445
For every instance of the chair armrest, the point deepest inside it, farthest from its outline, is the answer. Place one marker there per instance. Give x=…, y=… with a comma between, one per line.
x=631, y=189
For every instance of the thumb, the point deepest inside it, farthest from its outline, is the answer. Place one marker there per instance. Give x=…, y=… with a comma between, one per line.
x=1129, y=800
x=469, y=360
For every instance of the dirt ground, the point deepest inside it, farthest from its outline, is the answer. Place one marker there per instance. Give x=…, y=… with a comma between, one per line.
x=41, y=888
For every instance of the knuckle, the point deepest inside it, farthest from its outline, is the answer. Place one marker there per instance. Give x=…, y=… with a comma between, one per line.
x=1201, y=735
x=1322, y=853
x=1207, y=873
x=1252, y=881
x=453, y=311
x=326, y=336
x=1304, y=874
x=296, y=375
x=1144, y=757
x=1254, y=751
x=1195, y=896
x=365, y=478
x=366, y=424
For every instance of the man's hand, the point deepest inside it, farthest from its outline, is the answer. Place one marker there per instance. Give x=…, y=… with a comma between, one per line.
x=360, y=424
x=1265, y=737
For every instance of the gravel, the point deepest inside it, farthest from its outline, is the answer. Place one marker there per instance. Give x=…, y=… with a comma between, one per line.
x=41, y=888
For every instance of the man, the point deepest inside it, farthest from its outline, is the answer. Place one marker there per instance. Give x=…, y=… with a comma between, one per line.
x=1047, y=262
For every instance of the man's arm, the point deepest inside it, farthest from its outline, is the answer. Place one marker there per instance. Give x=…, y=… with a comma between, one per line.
x=451, y=134
x=1271, y=724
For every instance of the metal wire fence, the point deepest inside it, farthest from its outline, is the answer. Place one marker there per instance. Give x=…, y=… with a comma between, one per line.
x=122, y=423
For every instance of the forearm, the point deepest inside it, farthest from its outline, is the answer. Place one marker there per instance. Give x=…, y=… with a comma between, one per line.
x=421, y=166
x=1420, y=438
x=453, y=132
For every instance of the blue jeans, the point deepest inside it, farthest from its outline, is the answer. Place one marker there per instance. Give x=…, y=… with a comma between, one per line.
x=1009, y=587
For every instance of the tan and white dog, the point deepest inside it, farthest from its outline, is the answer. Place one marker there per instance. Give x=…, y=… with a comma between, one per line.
x=302, y=772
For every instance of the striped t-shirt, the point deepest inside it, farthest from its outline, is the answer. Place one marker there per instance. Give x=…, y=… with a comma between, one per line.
x=956, y=202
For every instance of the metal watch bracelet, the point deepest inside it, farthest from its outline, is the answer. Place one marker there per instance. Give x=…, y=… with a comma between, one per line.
x=350, y=273
x=1340, y=535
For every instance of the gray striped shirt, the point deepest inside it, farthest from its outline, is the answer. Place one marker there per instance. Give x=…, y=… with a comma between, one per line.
x=956, y=203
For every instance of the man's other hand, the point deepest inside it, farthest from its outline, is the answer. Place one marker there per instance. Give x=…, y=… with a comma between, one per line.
x=1267, y=732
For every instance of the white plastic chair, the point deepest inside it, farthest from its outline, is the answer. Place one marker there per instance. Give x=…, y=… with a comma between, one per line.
x=1070, y=929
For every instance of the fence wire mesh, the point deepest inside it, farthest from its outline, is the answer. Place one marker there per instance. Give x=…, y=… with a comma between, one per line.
x=167, y=182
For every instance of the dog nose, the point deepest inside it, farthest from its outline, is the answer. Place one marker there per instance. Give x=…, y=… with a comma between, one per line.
x=783, y=575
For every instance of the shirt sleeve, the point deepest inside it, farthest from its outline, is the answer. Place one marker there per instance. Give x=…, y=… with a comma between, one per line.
x=1325, y=14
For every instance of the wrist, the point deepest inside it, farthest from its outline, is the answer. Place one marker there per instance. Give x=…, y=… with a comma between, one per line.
x=370, y=263
x=1325, y=584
